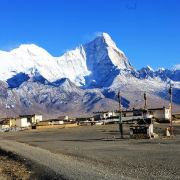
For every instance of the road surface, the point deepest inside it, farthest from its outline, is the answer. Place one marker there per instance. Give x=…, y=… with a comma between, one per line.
x=98, y=153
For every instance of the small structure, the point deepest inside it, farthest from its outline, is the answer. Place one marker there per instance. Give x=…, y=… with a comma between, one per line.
x=36, y=118
x=104, y=115
x=50, y=122
x=63, y=118
x=55, y=122
x=22, y=122
x=167, y=133
x=32, y=119
x=126, y=115
x=142, y=130
x=8, y=122
x=160, y=114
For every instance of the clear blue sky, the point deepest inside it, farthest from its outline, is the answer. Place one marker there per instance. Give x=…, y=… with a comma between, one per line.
x=148, y=31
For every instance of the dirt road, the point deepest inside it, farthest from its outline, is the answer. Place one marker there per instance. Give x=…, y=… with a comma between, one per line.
x=68, y=167
x=97, y=153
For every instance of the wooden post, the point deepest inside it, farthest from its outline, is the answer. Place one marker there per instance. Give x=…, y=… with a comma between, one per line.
x=120, y=115
x=145, y=101
x=171, y=125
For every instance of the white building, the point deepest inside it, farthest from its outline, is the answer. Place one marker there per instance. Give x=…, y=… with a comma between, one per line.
x=160, y=113
x=37, y=118
x=33, y=119
x=104, y=115
x=22, y=122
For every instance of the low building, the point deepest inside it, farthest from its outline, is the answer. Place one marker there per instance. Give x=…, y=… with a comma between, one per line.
x=50, y=122
x=22, y=122
x=63, y=118
x=56, y=122
x=104, y=115
x=32, y=119
x=36, y=118
x=81, y=119
x=8, y=122
x=160, y=114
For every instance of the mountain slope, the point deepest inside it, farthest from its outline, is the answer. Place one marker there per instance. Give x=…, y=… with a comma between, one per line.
x=105, y=61
x=51, y=100
x=81, y=65
x=83, y=80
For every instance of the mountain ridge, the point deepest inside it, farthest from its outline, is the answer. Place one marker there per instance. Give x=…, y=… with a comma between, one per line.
x=85, y=79
x=84, y=63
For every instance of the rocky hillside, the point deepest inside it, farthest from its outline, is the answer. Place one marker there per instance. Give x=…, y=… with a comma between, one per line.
x=79, y=82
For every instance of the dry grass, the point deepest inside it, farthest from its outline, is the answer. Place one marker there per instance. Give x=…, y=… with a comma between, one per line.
x=13, y=169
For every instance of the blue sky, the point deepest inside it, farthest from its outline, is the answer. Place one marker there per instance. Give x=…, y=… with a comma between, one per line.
x=148, y=31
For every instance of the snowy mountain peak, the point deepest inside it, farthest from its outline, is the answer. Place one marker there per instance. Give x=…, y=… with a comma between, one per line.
x=108, y=40
x=93, y=65
x=105, y=47
x=104, y=60
x=148, y=68
x=105, y=39
x=176, y=67
x=146, y=72
x=161, y=69
x=31, y=50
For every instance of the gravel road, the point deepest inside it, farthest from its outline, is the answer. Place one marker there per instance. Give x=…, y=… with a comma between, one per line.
x=97, y=153
x=68, y=167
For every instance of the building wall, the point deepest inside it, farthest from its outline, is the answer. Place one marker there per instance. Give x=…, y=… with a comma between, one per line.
x=38, y=118
x=167, y=114
x=22, y=122
x=12, y=122
x=161, y=114
x=107, y=115
x=4, y=126
x=158, y=114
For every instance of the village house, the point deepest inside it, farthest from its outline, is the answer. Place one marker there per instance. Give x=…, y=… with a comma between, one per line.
x=104, y=115
x=22, y=122
x=160, y=114
x=51, y=122
x=63, y=118
x=32, y=119
x=7, y=122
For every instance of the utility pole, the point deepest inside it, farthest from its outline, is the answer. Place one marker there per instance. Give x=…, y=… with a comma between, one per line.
x=120, y=115
x=145, y=101
x=170, y=106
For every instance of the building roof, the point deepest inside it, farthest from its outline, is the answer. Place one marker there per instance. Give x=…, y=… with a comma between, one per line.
x=130, y=110
x=158, y=108
x=30, y=115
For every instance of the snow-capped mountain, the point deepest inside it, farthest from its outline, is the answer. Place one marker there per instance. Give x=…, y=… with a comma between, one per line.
x=81, y=65
x=85, y=79
x=163, y=74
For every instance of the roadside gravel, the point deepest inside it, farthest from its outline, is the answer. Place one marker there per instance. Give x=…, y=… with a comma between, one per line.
x=66, y=166
x=96, y=152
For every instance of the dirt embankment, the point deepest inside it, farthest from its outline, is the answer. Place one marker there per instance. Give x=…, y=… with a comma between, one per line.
x=14, y=167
